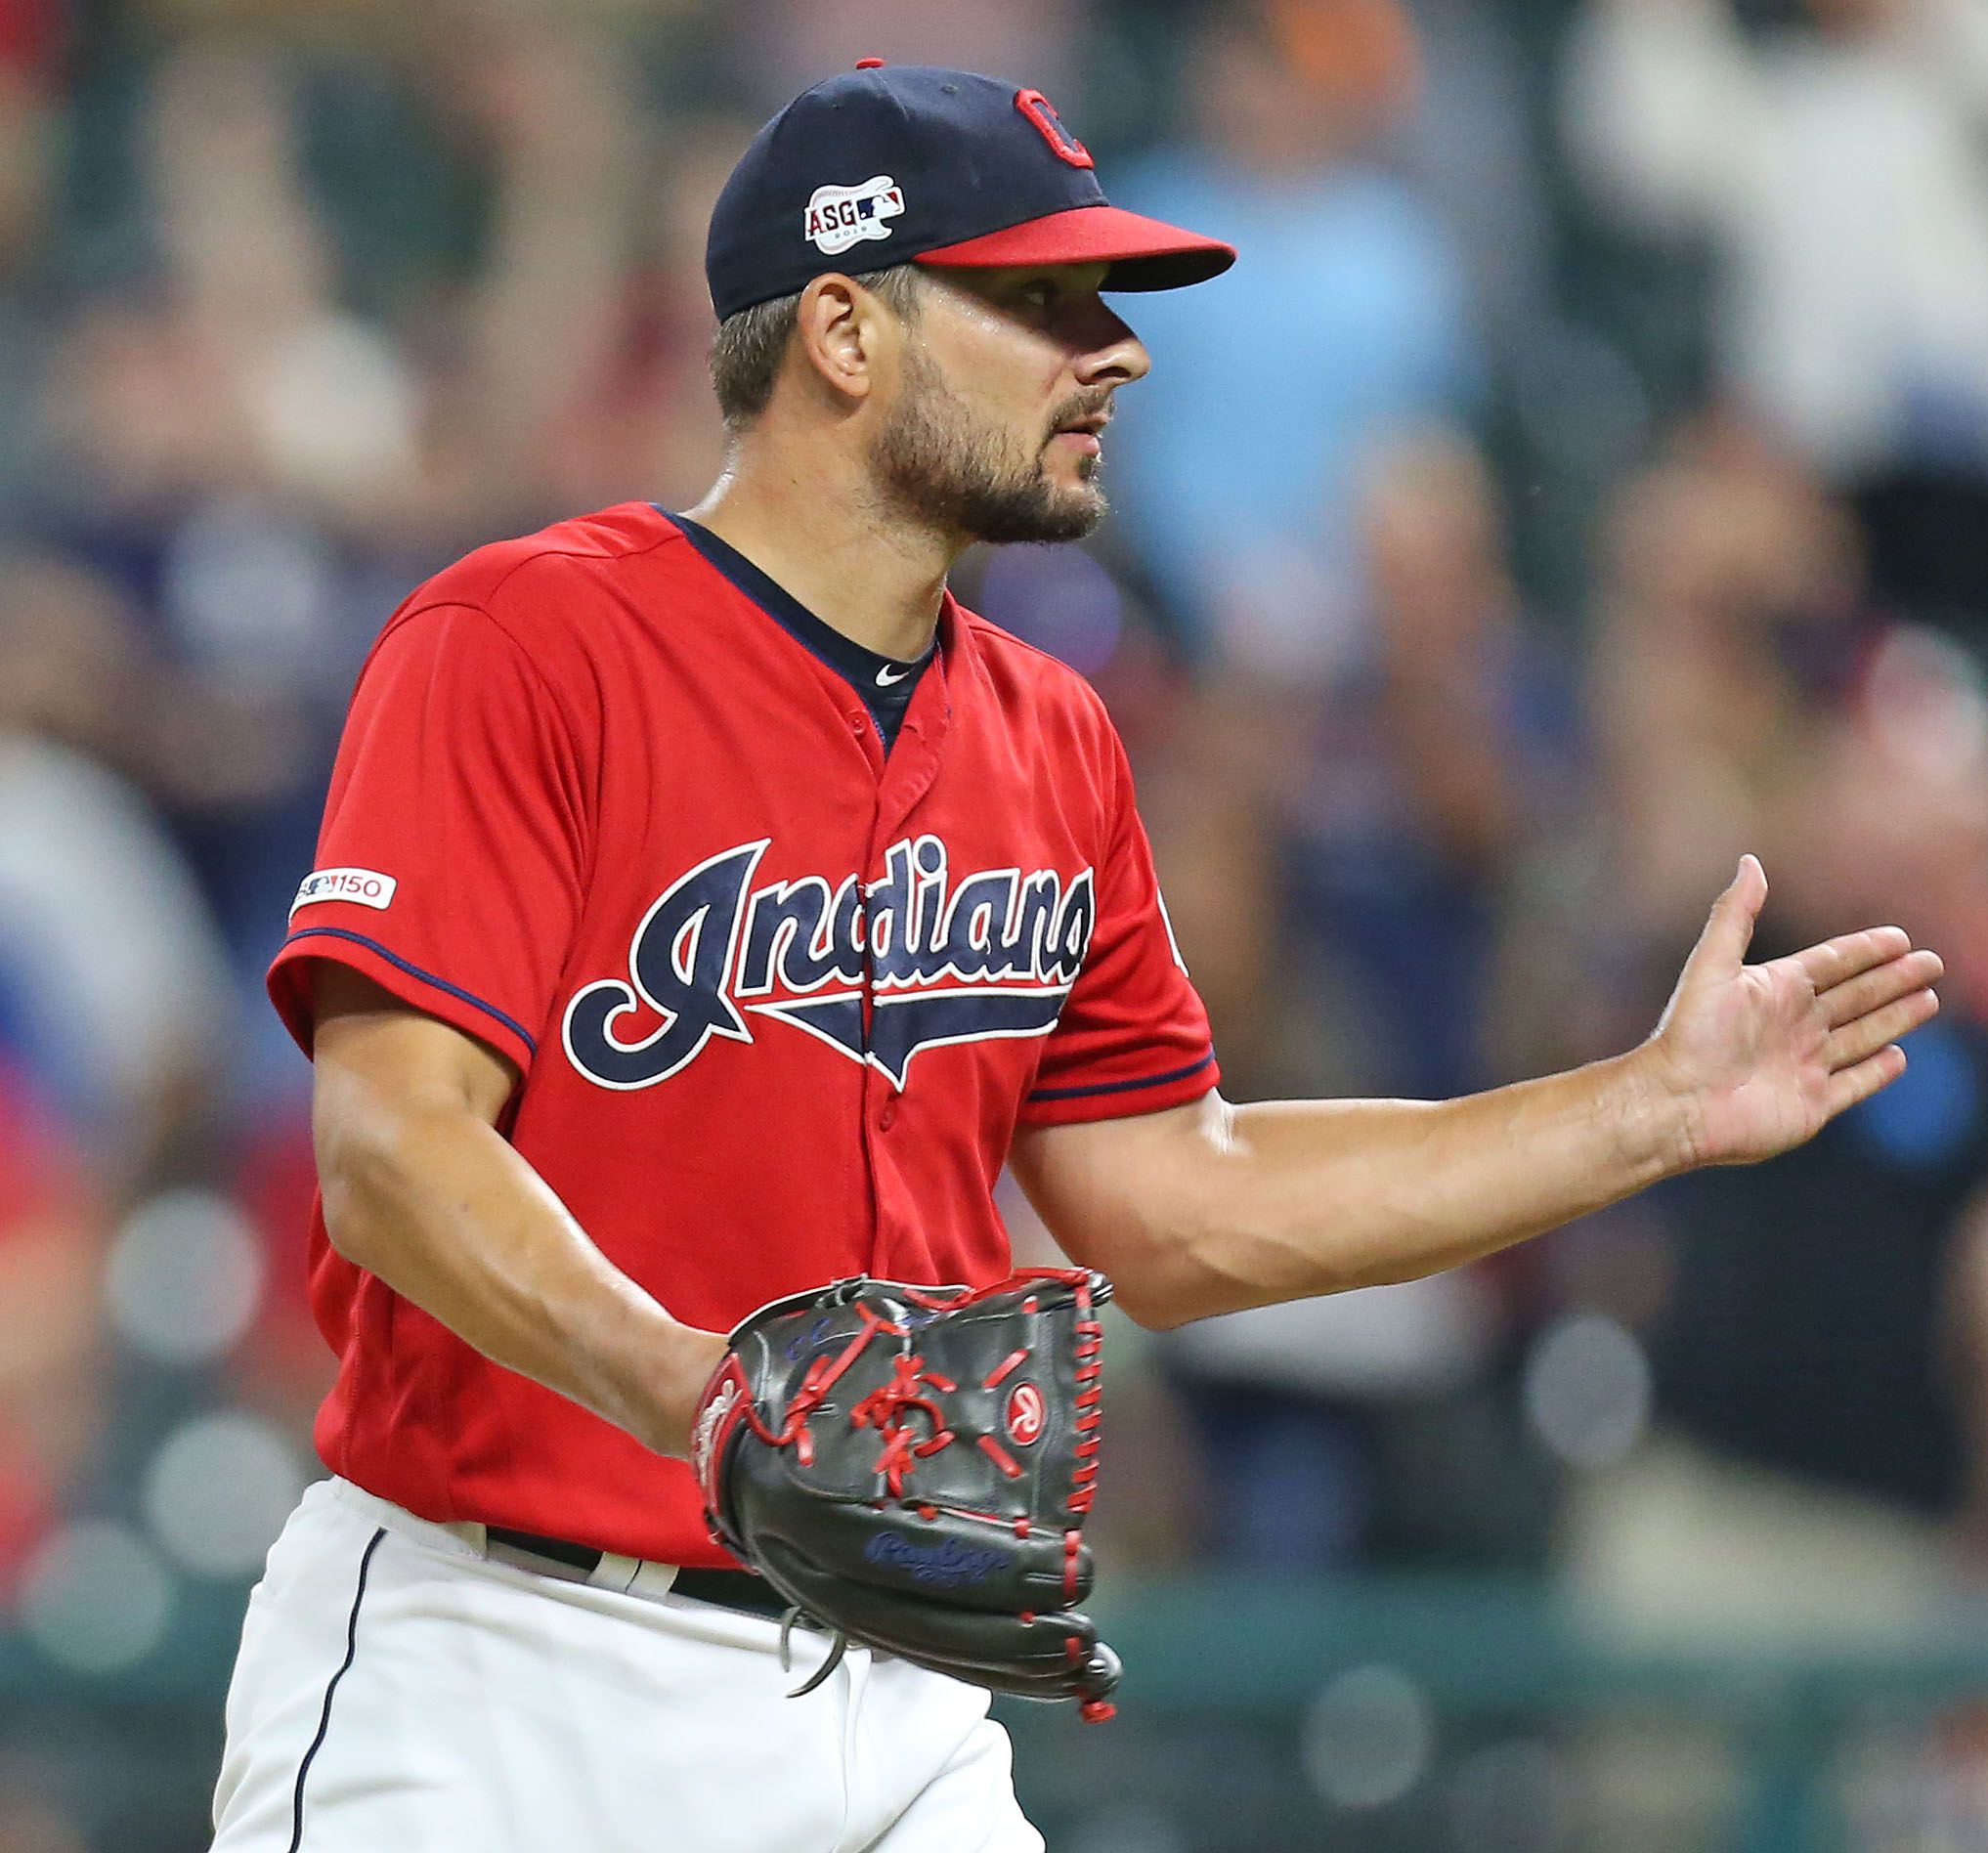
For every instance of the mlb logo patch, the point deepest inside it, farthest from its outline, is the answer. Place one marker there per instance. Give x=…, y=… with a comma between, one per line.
x=364, y=887
x=838, y=217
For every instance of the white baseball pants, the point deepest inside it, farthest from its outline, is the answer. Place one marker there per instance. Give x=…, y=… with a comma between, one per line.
x=396, y=1692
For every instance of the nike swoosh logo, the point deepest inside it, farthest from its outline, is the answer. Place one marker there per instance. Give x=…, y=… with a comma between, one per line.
x=886, y=678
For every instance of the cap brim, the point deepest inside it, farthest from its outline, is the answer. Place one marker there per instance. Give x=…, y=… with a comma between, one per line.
x=1143, y=253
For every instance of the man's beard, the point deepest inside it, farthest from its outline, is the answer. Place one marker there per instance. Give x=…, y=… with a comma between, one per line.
x=938, y=464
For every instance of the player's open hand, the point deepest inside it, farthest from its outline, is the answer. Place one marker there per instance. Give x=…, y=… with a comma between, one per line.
x=1760, y=1058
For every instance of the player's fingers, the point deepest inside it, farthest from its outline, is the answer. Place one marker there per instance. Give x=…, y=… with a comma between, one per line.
x=1729, y=930
x=1857, y=997
x=1849, y=1086
x=1849, y=954
x=1857, y=1041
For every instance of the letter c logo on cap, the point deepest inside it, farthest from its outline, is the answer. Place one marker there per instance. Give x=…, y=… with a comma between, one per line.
x=1042, y=112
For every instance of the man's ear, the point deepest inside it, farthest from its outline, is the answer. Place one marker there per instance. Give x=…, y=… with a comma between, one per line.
x=841, y=331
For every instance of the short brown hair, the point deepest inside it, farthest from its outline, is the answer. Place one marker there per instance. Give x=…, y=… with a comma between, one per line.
x=749, y=347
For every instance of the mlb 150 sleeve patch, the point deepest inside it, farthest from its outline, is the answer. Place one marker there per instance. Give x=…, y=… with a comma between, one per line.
x=364, y=888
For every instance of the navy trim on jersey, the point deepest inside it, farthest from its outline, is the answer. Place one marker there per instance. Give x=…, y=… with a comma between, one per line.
x=1122, y=1086
x=856, y=666
x=412, y=970
x=325, y=1716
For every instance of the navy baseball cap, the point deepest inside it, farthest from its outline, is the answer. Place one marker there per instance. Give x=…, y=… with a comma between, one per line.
x=886, y=164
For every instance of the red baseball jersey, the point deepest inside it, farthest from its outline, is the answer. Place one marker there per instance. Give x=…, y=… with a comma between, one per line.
x=612, y=803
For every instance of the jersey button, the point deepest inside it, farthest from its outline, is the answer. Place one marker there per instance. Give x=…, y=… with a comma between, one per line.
x=889, y=1117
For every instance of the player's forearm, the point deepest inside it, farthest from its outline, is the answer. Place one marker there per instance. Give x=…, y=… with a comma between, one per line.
x=1301, y=1197
x=440, y=1208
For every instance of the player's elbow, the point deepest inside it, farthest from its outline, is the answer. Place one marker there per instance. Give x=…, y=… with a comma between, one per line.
x=1177, y=1268
x=1178, y=1285
x=1146, y=1303
x=1217, y=1253
x=362, y=1181
x=373, y=1154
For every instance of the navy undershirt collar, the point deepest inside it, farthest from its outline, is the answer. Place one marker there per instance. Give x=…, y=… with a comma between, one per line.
x=887, y=685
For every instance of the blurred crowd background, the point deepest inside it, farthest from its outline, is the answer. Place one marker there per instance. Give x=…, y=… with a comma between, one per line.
x=1581, y=478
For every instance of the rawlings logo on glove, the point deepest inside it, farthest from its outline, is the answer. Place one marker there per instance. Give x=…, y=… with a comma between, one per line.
x=911, y=1467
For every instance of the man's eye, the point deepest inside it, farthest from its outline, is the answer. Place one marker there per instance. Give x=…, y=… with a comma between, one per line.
x=1039, y=295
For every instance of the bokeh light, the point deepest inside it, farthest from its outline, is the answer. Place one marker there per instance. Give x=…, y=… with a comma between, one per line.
x=217, y=1491
x=95, y=1597
x=1589, y=1390
x=184, y=1277
x=1369, y=1737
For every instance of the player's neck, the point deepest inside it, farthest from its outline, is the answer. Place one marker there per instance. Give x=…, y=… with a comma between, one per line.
x=877, y=582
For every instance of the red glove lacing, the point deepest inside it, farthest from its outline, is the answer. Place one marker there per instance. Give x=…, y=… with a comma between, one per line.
x=819, y=1380
x=888, y=1407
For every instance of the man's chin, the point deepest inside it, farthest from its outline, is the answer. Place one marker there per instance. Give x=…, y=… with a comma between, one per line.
x=1081, y=504
x=1066, y=516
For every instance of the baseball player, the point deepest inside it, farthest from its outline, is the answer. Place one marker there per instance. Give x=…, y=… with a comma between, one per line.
x=708, y=907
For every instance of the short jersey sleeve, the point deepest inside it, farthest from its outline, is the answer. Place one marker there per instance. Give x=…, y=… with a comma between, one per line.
x=452, y=861
x=1133, y=1036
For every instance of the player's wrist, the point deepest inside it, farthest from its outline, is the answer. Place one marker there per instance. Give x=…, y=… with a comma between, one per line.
x=684, y=1370
x=1653, y=1112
